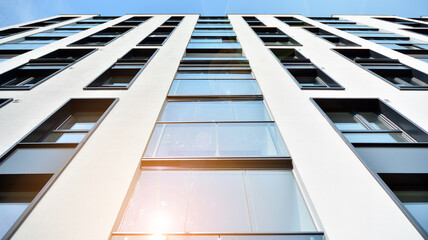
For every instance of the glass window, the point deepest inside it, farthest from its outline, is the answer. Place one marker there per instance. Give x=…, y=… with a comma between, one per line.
x=214, y=87
x=345, y=121
x=375, y=137
x=9, y=213
x=65, y=137
x=216, y=140
x=183, y=140
x=250, y=140
x=81, y=121
x=416, y=202
x=245, y=201
x=215, y=111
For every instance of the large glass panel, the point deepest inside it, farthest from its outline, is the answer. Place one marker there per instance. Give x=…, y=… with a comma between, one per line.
x=214, y=87
x=217, y=202
x=275, y=202
x=212, y=75
x=375, y=137
x=183, y=140
x=250, y=140
x=158, y=203
x=416, y=203
x=345, y=121
x=250, y=111
x=192, y=87
x=237, y=87
x=180, y=112
x=9, y=213
x=215, y=111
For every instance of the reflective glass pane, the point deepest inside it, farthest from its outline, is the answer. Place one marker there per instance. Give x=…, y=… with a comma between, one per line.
x=250, y=111
x=215, y=111
x=81, y=121
x=345, y=121
x=275, y=202
x=183, y=140
x=250, y=140
x=375, y=137
x=375, y=121
x=416, y=203
x=9, y=213
x=158, y=203
x=237, y=87
x=217, y=202
x=65, y=137
x=192, y=87
x=180, y=112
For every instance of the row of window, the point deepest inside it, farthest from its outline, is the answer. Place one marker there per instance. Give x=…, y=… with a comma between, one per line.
x=31, y=165
x=405, y=45
x=392, y=147
x=161, y=34
x=200, y=128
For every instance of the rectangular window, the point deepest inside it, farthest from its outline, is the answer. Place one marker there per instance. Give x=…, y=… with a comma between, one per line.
x=39, y=70
x=49, y=22
x=181, y=140
x=390, y=70
x=8, y=54
x=274, y=36
x=124, y=72
x=370, y=121
x=412, y=190
x=188, y=201
x=293, y=22
x=157, y=37
x=306, y=74
x=330, y=37
x=34, y=162
x=208, y=111
x=12, y=31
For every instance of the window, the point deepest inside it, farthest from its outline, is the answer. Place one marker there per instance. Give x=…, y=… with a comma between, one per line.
x=17, y=191
x=208, y=111
x=293, y=22
x=412, y=191
x=306, y=74
x=4, y=101
x=49, y=22
x=22, y=78
x=390, y=70
x=243, y=196
x=124, y=72
x=274, y=36
x=253, y=21
x=39, y=70
x=93, y=41
x=330, y=37
x=204, y=129
x=8, y=54
x=34, y=162
x=157, y=37
x=173, y=21
x=13, y=31
x=369, y=121
x=213, y=42
x=133, y=21
x=28, y=43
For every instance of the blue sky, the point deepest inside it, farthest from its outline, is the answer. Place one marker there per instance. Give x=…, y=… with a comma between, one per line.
x=17, y=11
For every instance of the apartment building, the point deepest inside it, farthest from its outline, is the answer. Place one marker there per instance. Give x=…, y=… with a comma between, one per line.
x=237, y=127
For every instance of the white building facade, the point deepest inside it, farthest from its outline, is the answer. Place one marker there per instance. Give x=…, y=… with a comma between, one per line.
x=273, y=127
